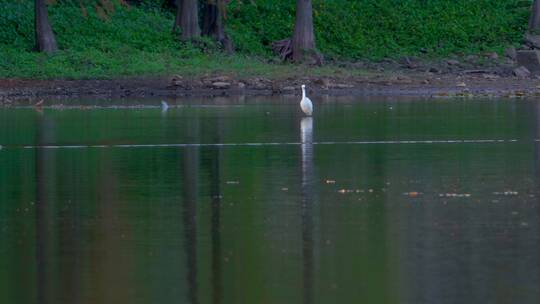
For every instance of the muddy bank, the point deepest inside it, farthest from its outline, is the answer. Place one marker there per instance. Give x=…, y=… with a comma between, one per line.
x=464, y=84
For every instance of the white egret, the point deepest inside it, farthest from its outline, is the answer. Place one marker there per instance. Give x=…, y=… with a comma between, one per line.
x=164, y=106
x=305, y=103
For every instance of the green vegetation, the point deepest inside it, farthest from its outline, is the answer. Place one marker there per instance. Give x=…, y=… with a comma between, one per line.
x=138, y=40
x=380, y=28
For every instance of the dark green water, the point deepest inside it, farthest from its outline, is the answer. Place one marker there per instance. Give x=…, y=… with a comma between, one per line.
x=370, y=202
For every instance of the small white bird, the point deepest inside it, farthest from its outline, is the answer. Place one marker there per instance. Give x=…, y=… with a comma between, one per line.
x=305, y=103
x=164, y=106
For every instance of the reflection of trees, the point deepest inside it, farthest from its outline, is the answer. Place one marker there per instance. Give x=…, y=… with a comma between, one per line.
x=354, y=254
x=215, y=231
x=52, y=213
x=215, y=192
x=374, y=167
x=45, y=175
x=306, y=131
x=191, y=177
x=113, y=272
x=459, y=251
x=536, y=133
x=442, y=259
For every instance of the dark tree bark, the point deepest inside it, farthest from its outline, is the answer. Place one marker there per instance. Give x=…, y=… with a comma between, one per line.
x=214, y=23
x=303, y=41
x=212, y=20
x=169, y=4
x=166, y=4
x=187, y=18
x=178, y=17
x=45, y=40
x=534, y=20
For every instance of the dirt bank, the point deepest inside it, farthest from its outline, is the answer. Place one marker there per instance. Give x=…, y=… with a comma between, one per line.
x=470, y=83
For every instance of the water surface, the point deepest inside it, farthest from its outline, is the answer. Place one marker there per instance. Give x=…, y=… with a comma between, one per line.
x=246, y=201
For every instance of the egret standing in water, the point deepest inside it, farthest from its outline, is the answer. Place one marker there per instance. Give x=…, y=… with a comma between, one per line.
x=305, y=103
x=164, y=106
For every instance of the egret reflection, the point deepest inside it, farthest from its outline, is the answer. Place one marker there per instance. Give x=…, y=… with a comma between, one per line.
x=306, y=134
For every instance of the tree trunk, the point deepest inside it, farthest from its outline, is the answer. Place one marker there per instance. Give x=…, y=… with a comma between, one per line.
x=534, y=20
x=178, y=17
x=189, y=19
x=303, y=42
x=45, y=40
x=169, y=4
x=214, y=23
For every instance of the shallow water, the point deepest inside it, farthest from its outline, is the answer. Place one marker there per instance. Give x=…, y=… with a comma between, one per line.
x=245, y=201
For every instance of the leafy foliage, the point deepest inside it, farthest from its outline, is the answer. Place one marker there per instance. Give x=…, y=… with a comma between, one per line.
x=103, y=38
x=379, y=28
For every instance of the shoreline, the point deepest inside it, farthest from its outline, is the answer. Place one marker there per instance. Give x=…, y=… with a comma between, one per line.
x=14, y=92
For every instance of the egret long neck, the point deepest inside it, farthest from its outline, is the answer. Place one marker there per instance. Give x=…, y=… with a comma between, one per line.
x=303, y=93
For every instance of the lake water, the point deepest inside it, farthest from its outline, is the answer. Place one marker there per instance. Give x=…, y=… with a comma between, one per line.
x=245, y=201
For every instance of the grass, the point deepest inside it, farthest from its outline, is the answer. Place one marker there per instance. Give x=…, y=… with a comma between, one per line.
x=92, y=64
x=101, y=42
x=130, y=43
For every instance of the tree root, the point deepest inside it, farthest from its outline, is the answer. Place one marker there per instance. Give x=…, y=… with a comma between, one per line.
x=284, y=49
